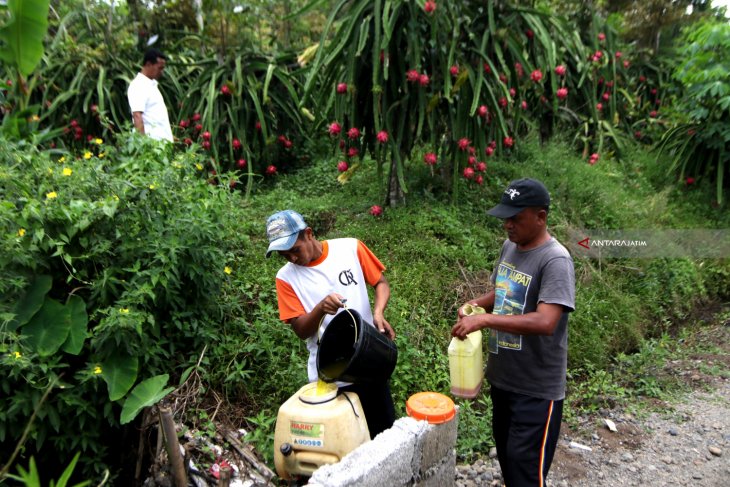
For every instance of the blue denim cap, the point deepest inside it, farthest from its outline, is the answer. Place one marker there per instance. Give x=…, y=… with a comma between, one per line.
x=282, y=230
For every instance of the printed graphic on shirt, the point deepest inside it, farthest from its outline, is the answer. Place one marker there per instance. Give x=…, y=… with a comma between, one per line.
x=346, y=278
x=510, y=295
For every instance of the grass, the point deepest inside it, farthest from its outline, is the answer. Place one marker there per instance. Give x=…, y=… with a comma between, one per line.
x=664, y=369
x=438, y=255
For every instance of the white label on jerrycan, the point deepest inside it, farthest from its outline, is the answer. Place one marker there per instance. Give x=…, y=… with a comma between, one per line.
x=307, y=434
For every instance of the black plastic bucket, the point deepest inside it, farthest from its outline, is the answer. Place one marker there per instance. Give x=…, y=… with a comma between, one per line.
x=352, y=350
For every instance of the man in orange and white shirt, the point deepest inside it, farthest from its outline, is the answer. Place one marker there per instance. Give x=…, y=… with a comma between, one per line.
x=313, y=286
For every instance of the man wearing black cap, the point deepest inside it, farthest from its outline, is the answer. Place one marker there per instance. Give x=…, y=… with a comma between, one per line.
x=313, y=286
x=534, y=291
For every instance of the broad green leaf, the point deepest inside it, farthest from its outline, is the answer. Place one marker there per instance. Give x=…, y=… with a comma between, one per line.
x=48, y=328
x=23, y=34
x=146, y=393
x=119, y=371
x=31, y=302
x=78, y=320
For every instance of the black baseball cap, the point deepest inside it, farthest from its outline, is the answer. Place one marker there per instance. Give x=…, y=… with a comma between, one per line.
x=520, y=194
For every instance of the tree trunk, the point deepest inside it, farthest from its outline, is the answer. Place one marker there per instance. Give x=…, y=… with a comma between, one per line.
x=133, y=10
x=396, y=196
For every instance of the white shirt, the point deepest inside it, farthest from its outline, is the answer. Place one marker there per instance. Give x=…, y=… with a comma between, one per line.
x=145, y=97
x=340, y=271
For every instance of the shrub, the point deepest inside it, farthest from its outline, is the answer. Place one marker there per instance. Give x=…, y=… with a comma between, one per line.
x=698, y=141
x=112, y=265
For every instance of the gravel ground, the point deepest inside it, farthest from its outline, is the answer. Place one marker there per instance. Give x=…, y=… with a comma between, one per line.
x=687, y=443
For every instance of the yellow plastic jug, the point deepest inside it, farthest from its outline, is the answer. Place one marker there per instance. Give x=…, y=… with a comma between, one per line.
x=317, y=426
x=466, y=362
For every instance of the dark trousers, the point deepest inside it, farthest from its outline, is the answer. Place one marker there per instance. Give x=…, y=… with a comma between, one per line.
x=377, y=404
x=526, y=431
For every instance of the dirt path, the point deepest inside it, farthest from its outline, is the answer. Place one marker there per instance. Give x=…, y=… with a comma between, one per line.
x=688, y=444
x=684, y=443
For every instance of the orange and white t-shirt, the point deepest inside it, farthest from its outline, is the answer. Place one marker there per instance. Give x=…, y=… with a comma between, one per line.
x=346, y=267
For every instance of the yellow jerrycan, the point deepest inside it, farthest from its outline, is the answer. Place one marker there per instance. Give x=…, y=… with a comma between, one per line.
x=466, y=362
x=317, y=426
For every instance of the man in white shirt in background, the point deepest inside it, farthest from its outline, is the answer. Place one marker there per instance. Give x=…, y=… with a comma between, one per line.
x=149, y=113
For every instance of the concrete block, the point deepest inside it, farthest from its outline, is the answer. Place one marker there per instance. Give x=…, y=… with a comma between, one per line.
x=383, y=461
x=442, y=474
x=410, y=453
x=435, y=445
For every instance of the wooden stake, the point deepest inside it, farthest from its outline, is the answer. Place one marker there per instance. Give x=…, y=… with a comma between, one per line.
x=249, y=456
x=225, y=477
x=173, y=448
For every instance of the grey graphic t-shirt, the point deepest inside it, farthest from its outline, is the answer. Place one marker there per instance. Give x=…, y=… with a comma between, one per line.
x=531, y=364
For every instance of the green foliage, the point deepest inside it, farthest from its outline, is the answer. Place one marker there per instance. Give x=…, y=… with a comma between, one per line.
x=146, y=393
x=78, y=93
x=263, y=436
x=642, y=374
x=32, y=301
x=466, y=87
x=475, y=420
x=23, y=34
x=21, y=48
x=226, y=89
x=111, y=266
x=31, y=477
x=122, y=260
x=491, y=78
x=676, y=286
x=156, y=293
x=598, y=388
x=699, y=142
x=248, y=107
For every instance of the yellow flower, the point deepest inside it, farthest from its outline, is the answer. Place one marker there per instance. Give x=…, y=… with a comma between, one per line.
x=101, y=155
x=67, y=171
x=62, y=159
x=152, y=187
x=227, y=270
x=124, y=311
x=87, y=155
x=17, y=354
x=21, y=232
x=97, y=370
x=51, y=195
x=98, y=141
x=50, y=170
x=34, y=118
x=198, y=166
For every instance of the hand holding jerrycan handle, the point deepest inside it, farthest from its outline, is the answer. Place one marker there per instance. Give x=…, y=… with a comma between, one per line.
x=466, y=362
